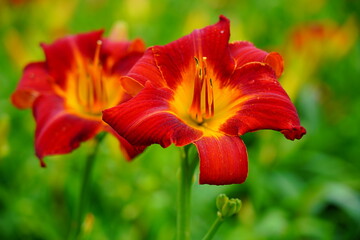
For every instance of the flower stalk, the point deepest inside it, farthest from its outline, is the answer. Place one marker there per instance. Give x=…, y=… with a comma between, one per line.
x=187, y=167
x=214, y=228
x=82, y=204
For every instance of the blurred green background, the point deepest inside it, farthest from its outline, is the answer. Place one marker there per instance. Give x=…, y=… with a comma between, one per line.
x=307, y=189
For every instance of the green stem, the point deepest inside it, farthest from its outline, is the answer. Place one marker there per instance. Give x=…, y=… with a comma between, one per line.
x=89, y=165
x=213, y=229
x=187, y=168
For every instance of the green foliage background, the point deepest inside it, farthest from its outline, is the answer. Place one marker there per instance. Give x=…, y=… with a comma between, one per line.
x=307, y=189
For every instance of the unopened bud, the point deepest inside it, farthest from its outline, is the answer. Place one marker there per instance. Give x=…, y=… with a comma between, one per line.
x=221, y=200
x=227, y=207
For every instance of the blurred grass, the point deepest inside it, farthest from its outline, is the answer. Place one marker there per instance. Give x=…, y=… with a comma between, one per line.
x=308, y=189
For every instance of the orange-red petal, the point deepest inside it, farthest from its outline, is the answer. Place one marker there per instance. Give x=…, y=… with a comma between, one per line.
x=166, y=66
x=35, y=80
x=144, y=70
x=223, y=160
x=57, y=131
x=60, y=55
x=245, y=52
x=147, y=119
x=120, y=56
x=263, y=104
x=176, y=59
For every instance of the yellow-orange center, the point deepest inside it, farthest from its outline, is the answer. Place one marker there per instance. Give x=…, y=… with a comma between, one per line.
x=202, y=102
x=89, y=89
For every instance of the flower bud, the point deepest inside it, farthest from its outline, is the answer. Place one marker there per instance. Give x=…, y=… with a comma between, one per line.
x=221, y=200
x=227, y=207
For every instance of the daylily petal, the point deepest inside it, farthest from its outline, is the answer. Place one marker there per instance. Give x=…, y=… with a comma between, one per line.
x=129, y=151
x=275, y=61
x=35, y=81
x=119, y=56
x=144, y=70
x=115, y=50
x=245, y=52
x=146, y=119
x=57, y=131
x=166, y=65
x=61, y=55
x=176, y=59
x=130, y=85
x=263, y=104
x=223, y=160
x=122, y=66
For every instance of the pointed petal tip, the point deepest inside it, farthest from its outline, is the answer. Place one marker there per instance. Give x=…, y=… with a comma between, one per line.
x=42, y=163
x=294, y=133
x=128, y=150
x=40, y=156
x=223, y=18
x=130, y=156
x=225, y=22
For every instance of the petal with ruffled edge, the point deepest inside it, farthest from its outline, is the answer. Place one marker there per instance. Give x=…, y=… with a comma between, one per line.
x=57, y=131
x=146, y=119
x=35, y=81
x=245, y=52
x=223, y=160
x=261, y=104
x=61, y=56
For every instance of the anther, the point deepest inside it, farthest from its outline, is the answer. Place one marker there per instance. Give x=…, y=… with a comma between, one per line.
x=197, y=61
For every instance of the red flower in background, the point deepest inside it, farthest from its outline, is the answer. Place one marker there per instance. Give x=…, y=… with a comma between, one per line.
x=69, y=90
x=202, y=90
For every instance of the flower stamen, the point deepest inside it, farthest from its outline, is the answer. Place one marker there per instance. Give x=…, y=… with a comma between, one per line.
x=202, y=106
x=91, y=92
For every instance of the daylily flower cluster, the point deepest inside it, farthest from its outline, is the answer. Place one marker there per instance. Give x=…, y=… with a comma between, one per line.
x=199, y=89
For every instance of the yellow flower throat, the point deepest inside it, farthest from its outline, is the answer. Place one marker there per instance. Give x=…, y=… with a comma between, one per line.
x=89, y=89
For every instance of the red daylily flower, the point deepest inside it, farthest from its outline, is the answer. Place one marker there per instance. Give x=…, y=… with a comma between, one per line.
x=202, y=90
x=69, y=90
